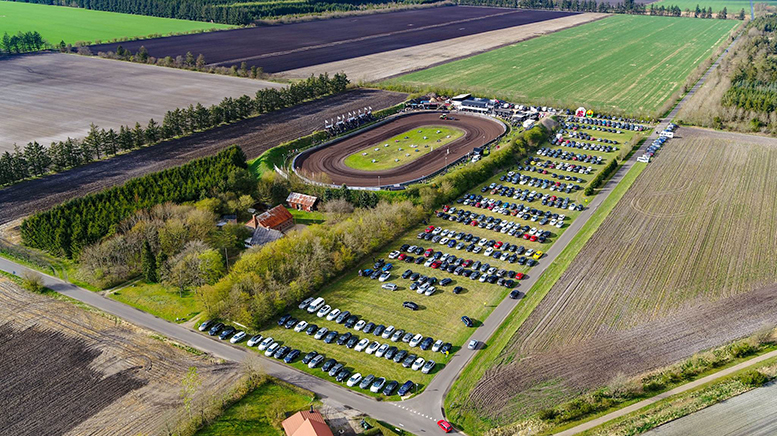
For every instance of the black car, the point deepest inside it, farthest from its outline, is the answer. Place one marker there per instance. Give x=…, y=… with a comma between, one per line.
x=283, y=319
x=293, y=354
x=281, y=352
x=426, y=343
x=407, y=274
x=330, y=337
x=342, y=375
x=419, y=260
x=311, y=330
x=446, y=281
x=379, y=330
x=229, y=331
x=206, y=325
x=375, y=275
x=308, y=357
x=390, y=388
x=390, y=352
x=414, y=276
x=400, y=356
x=515, y=294
x=446, y=348
x=368, y=327
x=405, y=388
x=410, y=305
x=413, y=286
x=467, y=322
x=342, y=317
x=291, y=322
x=352, y=342
x=215, y=329
x=328, y=365
x=344, y=338
x=351, y=321
x=457, y=290
x=408, y=362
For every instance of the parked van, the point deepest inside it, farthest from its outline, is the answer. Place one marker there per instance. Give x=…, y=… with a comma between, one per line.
x=316, y=304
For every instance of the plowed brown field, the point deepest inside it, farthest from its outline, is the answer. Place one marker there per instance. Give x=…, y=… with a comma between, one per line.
x=685, y=262
x=66, y=370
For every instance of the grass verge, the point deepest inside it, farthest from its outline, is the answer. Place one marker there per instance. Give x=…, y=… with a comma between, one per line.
x=159, y=300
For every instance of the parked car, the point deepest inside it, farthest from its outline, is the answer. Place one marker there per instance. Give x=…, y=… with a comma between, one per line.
x=342, y=317
x=239, y=336
x=227, y=332
x=205, y=325
x=302, y=325
x=377, y=385
x=372, y=347
x=418, y=364
x=405, y=388
x=328, y=365
x=335, y=369
x=333, y=315
x=467, y=321
x=410, y=305
x=308, y=357
x=389, y=286
x=265, y=343
x=293, y=354
x=271, y=349
x=330, y=337
x=216, y=329
x=437, y=345
x=428, y=366
x=354, y=380
x=342, y=375
x=390, y=388
x=321, y=333
x=445, y=426
x=323, y=311
x=360, y=325
x=473, y=344
x=446, y=348
x=367, y=382
x=305, y=303
x=387, y=332
x=255, y=339
x=312, y=328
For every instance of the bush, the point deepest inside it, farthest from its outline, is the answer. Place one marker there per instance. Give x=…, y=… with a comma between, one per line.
x=548, y=414
x=652, y=386
x=601, y=177
x=742, y=349
x=32, y=281
x=753, y=378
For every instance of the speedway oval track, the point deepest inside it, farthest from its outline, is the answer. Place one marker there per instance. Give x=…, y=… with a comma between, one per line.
x=329, y=160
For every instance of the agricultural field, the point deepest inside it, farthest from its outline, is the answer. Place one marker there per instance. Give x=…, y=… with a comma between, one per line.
x=691, y=270
x=71, y=92
x=55, y=23
x=627, y=64
x=438, y=315
x=403, y=148
x=104, y=376
x=254, y=136
x=298, y=45
x=732, y=6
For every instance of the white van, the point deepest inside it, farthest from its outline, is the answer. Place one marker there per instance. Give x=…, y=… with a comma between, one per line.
x=389, y=286
x=316, y=304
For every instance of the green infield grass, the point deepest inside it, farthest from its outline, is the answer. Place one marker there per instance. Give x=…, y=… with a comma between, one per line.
x=403, y=148
x=61, y=23
x=623, y=63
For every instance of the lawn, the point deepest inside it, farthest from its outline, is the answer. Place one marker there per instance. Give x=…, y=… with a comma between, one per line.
x=260, y=412
x=304, y=217
x=58, y=23
x=159, y=300
x=439, y=314
x=629, y=64
x=403, y=148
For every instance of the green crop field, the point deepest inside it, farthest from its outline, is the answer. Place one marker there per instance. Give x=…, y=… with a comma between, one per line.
x=629, y=64
x=732, y=6
x=56, y=23
x=403, y=148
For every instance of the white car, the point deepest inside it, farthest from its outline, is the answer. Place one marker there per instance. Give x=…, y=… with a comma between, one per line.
x=254, y=340
x=473, y=344
x=305, y=303
x=483, y=278
x=437, y=345
x=385, y=276
x=320, y=333
x=373, y=347
x=489, y=251
x=393, y=255
x=323, y=311
x=271, y=349
x=360, y=325
x=381, y=350
x=389, y=286
x=354, y=380
x=411, y=248
x=377, y=385
x=491, y=270
x=418, y=364
x=437, y=231
x=429, y=291
x=444, y=241
x=388, y=332
x=429, y=262
x=529, y=252
x=560, y=224
x=239, y=336
x=266, y=343
x=416, y=340
x=428, y=366
x=302, y=325
x=482, y=242
x=333, y=314
x=362, y=345
x=477, y=250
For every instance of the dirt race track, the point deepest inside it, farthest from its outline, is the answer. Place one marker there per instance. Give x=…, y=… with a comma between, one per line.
x=50, y=96
x=685, y=262
x=253, y=135
x=69, y=371
x=329, y=160
x=292, y=46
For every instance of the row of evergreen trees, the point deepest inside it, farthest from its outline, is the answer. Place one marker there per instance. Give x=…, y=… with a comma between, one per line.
x=35, y=160
x=625, y=7
x=22, y=42
x=754, y=79
x=65, y=229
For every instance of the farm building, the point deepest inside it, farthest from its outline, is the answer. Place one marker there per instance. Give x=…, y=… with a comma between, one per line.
x=301, y=201
x=306, y=423
x=262, y=236
x=481, y=105
x=277, y=218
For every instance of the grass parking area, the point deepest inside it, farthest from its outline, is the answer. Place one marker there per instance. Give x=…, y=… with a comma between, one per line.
x=55, y=23
x=159, y=300
x=403, y=148
x=623, y=63
x=439, y=315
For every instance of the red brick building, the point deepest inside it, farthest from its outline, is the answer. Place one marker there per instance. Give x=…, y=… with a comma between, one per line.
x=277, y=218
x=302, y=201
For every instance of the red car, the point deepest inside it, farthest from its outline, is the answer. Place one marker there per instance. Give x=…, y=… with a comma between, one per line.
x=445, y=426
x=429, y=229
x=498, y=245
x=402, y=256
x=525, y=236
x=474, y=223
x=428, y=252
x=519, y=276
x=445, y=208
x=533, y=238
x=436, y=264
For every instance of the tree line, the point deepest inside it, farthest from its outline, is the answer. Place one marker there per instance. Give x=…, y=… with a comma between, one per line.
x=67, y=228
x=754, y=78
x=35, y=160
x=22, y=42
x=625, y=7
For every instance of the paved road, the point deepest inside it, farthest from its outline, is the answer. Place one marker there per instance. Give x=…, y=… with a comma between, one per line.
x=749, y=414
x=417, y=415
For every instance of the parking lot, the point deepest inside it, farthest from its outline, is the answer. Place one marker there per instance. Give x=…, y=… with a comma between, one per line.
x=424, y=293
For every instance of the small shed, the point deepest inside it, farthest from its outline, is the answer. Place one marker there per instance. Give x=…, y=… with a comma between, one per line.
x=277, y=218
x=304, y=202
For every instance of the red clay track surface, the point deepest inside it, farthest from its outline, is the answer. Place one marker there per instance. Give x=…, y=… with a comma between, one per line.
x=330, y=160
x=290, y=46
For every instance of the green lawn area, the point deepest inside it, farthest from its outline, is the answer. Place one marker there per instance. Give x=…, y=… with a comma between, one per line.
x=60, y=23
x=403, y=148
x=456, y=400
x=622, y=63
x=439, y=314
x=303, y=217
x=733, y=6
x=261, y=412
x=159, y=300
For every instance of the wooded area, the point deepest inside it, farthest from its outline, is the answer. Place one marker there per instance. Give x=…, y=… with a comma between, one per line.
x=22, y=42
x=754, y=80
